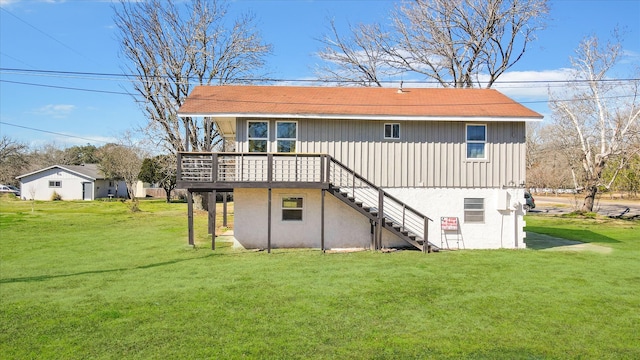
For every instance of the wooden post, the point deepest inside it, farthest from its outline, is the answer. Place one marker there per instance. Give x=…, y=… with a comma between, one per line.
x=179, y=167
x=373, y=233
x=425, y=237
x=224, y=209
x=269, y=168
x=327, y=163
x=380, y=218
x=214, y=167
x=190, y=216
x=322, y=161
x=212, y=218
x=322, y=220
x=269, y=223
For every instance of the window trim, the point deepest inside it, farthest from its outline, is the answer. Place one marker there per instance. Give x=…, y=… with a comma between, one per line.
x=384, y=131
x=483, y=142
x=475, y=212
x=295, y=140
x=55, y=183
x=249, y=138
x=283, y=208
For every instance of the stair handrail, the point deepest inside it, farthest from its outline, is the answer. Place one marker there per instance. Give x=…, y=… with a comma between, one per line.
x=386, y=194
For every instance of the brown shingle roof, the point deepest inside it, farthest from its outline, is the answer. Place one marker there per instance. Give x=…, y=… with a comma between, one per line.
x=236, y=100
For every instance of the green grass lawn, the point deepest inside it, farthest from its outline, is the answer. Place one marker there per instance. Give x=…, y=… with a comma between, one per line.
x=93, y=280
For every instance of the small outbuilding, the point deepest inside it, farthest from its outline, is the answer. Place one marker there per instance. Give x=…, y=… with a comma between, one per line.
x=70, y=182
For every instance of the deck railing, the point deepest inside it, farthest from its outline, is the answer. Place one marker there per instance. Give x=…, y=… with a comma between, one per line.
x=250, y=167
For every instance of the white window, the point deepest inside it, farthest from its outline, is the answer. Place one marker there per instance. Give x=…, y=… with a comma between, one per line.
x=476, y=141
x=286, y=136
x=55, y=184
x=292, y=208
x=258, y=135
x=473, y=210
x=392, y=131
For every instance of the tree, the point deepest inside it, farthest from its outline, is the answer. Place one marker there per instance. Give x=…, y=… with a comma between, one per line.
x=456, y=43
x=121, y=162
x=13, y=159
x=359, y=59
x=625, y=176
x=596, y=116
x=161, y=170
x=168, y=54
x=78, y=155
x=47, y=155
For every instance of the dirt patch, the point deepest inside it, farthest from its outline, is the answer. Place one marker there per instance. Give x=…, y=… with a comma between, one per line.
x=543, y=242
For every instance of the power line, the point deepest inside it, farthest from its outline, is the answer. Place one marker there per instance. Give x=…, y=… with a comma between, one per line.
x=130, y=76
x=45, y=34
x=246, y=101
x=53, y=132
x=65, y=87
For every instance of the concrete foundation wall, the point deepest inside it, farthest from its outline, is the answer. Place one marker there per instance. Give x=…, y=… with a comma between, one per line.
x=344, y=226
x=503, y=216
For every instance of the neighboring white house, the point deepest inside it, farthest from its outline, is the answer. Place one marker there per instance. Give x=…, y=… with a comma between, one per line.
x=403, y=165
x=71, y=182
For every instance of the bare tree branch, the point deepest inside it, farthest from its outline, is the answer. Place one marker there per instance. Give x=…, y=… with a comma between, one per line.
x=171, y=48
x=457, y=43
x=599, y=115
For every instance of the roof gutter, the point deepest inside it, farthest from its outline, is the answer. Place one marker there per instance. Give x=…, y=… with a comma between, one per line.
x=366, y=117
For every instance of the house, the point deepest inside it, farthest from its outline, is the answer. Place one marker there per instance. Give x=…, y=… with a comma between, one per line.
x=345, y=167
x=71, y=182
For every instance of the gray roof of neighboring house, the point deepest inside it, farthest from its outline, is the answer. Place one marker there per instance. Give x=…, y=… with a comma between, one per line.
x=89, y=170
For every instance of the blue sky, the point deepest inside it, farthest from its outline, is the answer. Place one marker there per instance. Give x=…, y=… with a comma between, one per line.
x=79, y=36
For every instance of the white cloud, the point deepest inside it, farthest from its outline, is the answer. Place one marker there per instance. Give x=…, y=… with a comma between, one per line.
x=65, y=140
x=57, y=111
x=531, y=85
x=8, y=2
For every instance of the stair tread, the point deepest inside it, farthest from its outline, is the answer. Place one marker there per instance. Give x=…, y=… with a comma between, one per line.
x=349, y=196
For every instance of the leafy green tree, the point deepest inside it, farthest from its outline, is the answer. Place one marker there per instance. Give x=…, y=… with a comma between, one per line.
x=161, y=170
x=121, y=162
x=78, y=155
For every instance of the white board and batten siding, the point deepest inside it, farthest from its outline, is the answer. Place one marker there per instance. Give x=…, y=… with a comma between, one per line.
x=429, y=154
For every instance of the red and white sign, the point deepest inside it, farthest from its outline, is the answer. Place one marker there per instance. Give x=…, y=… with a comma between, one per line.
x=449, y=223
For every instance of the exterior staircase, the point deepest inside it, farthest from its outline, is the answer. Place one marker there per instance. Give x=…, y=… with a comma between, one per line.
x=383, y=210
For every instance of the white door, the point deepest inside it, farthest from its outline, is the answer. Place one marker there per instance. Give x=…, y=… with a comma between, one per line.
x=87, y=191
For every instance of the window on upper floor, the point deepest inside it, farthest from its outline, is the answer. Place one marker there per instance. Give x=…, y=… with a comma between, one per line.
x=258, y=136
x=392, y=131
x=55, y=184
x=286, y=136
x=476, y=141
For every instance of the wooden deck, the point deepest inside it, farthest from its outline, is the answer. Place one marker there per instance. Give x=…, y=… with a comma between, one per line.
x=226, y=171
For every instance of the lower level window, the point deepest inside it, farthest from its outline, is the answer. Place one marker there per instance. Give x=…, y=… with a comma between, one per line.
x=55, y=184
x=473, y=210
x=292, y=208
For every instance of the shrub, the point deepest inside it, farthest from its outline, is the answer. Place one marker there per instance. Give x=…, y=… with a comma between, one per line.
x=580, y=214
x=55, y=196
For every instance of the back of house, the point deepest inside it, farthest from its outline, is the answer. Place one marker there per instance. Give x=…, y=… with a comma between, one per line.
x=455, y=155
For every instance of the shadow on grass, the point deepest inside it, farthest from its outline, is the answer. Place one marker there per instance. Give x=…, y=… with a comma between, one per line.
x=49, y=277
x=538, y=241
